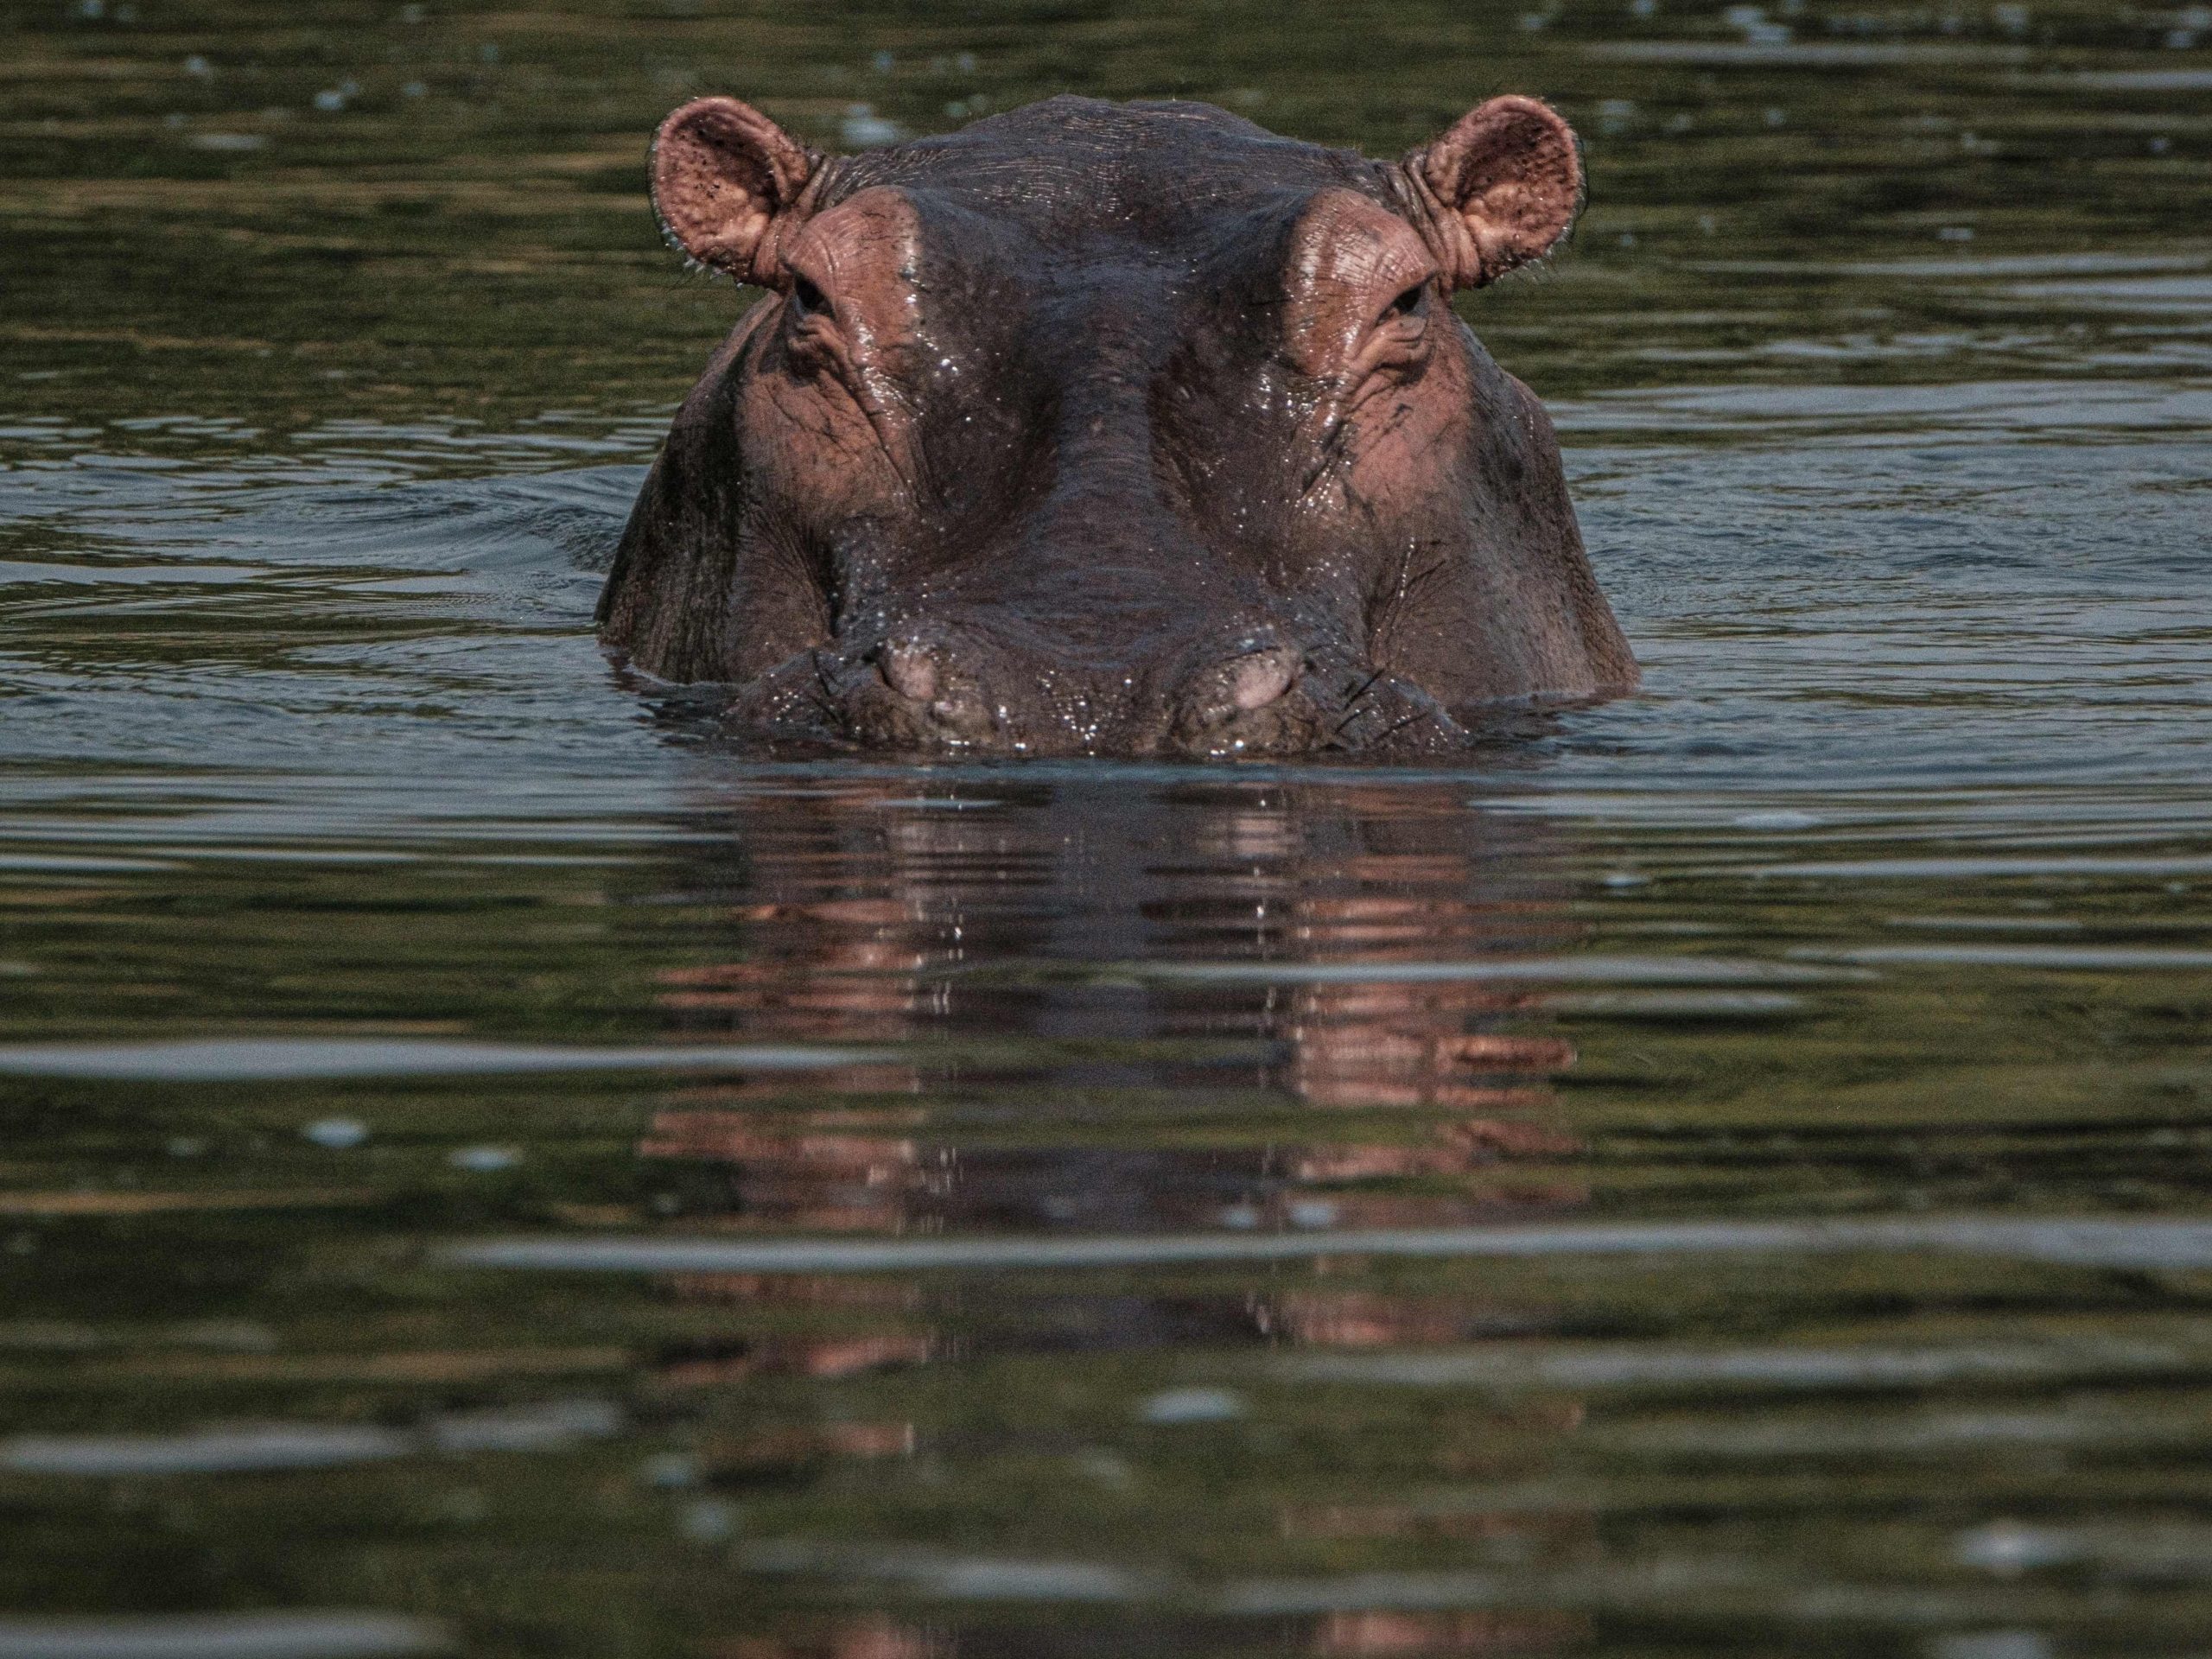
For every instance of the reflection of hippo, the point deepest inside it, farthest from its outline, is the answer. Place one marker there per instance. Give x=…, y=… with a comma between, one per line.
x=869, y=919
x=1028, y=1084
x=1114, y=430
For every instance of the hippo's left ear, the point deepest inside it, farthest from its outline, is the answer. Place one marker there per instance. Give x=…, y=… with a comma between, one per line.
x=1501, y=188
x=725, y=181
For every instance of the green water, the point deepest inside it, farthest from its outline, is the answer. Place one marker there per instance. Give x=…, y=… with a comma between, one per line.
x=484, y=1170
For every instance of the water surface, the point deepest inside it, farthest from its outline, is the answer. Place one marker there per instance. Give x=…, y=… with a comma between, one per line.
x=489, y=1170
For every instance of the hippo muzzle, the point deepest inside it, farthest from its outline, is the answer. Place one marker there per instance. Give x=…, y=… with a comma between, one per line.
x=940, y=689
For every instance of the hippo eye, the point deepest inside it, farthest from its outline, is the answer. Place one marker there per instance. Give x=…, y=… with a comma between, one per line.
x=1411, y=304
x=807, y=299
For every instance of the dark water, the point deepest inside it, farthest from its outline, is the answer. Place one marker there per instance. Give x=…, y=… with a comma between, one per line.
x=1728, y=1173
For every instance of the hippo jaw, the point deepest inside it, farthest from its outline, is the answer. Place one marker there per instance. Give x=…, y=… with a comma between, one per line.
x=1112, y=430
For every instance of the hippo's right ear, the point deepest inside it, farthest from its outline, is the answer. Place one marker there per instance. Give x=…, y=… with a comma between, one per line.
x=1501, y=187
x=726, y=181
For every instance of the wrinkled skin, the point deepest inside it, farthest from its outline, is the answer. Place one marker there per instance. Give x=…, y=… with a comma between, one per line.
x=1099, y=428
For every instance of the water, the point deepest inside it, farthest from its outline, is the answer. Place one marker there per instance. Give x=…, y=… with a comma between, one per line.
x=489, y=1171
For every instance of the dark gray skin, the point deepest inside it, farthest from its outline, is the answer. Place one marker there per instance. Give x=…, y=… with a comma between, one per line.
x=1114, y=430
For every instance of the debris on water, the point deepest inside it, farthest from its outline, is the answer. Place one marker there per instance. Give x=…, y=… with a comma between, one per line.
x=337, y=1134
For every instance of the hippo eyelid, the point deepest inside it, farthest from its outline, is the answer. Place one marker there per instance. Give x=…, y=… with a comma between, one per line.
x=1412, y=304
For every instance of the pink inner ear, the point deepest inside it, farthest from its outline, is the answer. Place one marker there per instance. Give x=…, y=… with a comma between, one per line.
x=721, y=171
x=1510, y=169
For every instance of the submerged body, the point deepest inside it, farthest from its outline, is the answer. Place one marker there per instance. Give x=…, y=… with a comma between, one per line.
x=1113, y=430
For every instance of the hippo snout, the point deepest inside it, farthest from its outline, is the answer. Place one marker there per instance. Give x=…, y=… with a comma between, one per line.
x=944, y=688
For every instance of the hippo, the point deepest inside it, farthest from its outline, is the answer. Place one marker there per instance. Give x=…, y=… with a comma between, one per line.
x=1113, y=429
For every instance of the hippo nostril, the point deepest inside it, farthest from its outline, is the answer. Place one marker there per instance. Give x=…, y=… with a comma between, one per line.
x=1239, y=702
x=934, y=696
x=1259, y=679
x=910, y=670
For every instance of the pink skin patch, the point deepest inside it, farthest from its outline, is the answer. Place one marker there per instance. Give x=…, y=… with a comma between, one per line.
x=1259, y=679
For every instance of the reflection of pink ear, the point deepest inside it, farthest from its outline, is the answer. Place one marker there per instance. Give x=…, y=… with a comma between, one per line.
x=1510, y=171
x=722, y=173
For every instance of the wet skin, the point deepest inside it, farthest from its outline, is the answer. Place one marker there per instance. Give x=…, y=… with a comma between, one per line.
x=1113, y=429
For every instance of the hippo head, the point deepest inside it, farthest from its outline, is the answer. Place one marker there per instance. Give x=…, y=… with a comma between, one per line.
x=1113, y=429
